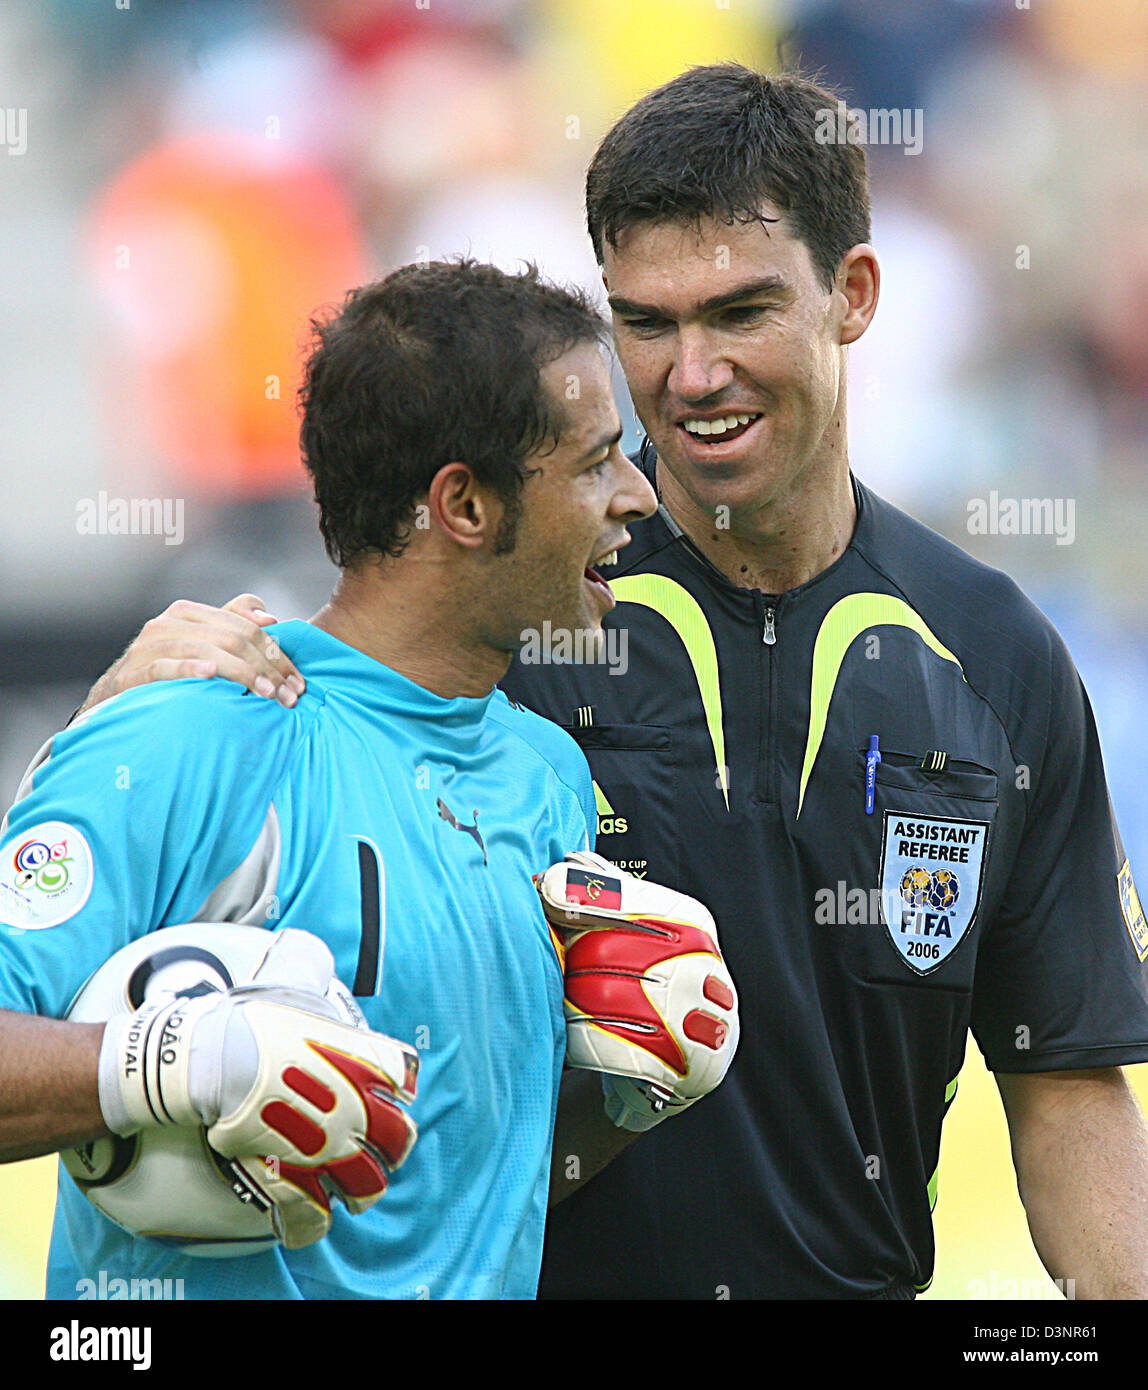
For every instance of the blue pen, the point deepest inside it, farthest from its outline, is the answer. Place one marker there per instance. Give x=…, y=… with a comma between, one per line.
x=872, y=758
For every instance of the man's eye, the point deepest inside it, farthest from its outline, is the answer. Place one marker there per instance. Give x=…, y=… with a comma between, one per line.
x=643, y=325
x=746, y=313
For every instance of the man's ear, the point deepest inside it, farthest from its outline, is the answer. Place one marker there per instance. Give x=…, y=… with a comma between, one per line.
x=859, y=281
x=463, y=510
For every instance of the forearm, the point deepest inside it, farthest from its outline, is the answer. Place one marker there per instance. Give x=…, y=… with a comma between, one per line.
x=585, y=1140
x=1081, y=1154
x=49, y=1091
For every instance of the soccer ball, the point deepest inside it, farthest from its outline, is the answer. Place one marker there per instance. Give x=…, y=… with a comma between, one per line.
x=915, y=885
x=170, y=1184
x=945, y=889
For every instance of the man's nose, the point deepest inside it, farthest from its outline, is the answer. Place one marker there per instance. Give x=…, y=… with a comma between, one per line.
x=634, y=498
x=699, y=369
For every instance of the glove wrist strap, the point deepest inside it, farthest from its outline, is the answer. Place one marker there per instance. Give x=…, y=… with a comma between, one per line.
x=628, y=1105
x=144, y=1064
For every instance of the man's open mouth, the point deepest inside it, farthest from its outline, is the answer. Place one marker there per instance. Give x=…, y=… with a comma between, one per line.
x=720, y=430
x=590, y=573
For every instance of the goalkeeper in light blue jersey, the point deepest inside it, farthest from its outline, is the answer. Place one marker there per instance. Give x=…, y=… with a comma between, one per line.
x=397, y=809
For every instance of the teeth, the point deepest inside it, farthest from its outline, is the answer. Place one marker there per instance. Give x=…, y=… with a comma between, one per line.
x=611, y=559
x=720, y=426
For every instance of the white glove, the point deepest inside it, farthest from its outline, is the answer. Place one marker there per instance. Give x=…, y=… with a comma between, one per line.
x=310, y=1105
x=649, y=1001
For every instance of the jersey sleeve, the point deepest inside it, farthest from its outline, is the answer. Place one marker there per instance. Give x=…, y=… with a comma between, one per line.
x=124, y=823
x=1061, y=981
x=588, y=822
x=579, y=818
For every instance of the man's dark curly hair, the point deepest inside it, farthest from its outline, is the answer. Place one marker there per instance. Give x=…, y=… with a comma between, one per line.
x=436, y=364
x=719, y=141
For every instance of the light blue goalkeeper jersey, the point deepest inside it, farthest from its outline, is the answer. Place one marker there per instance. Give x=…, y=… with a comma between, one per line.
x=402, y=828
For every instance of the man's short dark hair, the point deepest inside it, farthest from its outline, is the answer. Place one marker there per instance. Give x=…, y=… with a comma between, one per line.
x=719, y=141
x=435, y=364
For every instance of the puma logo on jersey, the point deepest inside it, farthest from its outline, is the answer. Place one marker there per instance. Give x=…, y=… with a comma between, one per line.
x=446, y=814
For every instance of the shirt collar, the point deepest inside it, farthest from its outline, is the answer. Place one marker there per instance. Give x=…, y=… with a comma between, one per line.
x=324, y=659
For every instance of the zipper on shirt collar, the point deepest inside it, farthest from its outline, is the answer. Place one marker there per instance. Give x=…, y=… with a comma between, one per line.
x=771, y=601
x=766, y=774
x=768, y=608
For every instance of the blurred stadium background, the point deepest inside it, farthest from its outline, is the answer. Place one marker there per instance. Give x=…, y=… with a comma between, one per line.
x=199, y=176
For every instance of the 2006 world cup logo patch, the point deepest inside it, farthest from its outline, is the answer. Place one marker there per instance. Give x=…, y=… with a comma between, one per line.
x=45, y=876
x=932, y=869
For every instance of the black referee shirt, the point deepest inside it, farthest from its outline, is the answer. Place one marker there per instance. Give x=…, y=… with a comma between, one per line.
x=979, y=882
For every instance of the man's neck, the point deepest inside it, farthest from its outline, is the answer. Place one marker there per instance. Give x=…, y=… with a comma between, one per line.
x=777, y=547
x=409, y=626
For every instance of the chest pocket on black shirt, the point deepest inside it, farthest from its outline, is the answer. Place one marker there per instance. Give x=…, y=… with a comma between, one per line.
x=928, y=842
x=635, y=786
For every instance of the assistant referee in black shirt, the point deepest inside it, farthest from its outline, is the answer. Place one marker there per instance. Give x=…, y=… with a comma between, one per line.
x=870, y=755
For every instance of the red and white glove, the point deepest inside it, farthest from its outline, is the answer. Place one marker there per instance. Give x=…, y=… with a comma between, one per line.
x=649, y=1000
x=310, y=1105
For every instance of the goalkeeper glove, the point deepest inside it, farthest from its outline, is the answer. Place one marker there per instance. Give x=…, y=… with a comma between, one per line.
x=649, y=1001
x=311, y=1106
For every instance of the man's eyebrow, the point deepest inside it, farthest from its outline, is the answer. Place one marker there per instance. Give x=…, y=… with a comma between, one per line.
x=769, y=284
x=607, y=442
